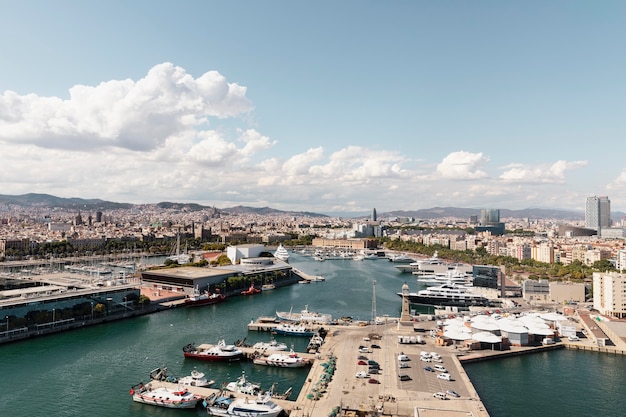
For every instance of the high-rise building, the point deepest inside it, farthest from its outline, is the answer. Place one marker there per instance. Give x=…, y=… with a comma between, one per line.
x=374, y=214
x=597, y=212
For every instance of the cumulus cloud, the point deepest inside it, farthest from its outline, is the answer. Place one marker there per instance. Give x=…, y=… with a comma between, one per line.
x=139, y=115
x=544, y=173
x=462, y=166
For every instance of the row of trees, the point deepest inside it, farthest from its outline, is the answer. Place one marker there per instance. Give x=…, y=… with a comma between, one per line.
x=576, y=271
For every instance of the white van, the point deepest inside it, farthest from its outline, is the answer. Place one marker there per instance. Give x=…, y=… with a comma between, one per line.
x=445, y=377
x=440, y=368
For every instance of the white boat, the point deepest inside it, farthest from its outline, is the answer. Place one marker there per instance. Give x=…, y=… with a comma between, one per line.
x=304, y=316
x=281, y=253
x=164, y=397
x=268, y=287
x=283, y=360
x=196, y=379
x=271, y=345
x=227, y=406
x=400, y=258
x=454, y=276
x=243, y=386
x=447, y=295
x=218, y=353
x=292, y=329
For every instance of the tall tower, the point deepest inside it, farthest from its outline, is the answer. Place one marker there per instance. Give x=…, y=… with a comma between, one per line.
x=373, y=214
x=597, y=212
x=605, y=211
x=406, y=314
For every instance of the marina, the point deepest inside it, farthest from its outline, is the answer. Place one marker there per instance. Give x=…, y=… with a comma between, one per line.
x=112, y=353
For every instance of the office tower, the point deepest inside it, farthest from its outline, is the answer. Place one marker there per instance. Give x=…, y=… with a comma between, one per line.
x=373, y=214
x=597, y=212
x=489, y=216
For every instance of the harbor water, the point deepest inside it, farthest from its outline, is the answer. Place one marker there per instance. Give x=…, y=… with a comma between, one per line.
x=88, y=372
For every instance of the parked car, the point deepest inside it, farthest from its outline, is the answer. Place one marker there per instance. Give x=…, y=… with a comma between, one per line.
x=361, y=363
x=373, y=371
x=361, y=357
x=373, y=381
x=429, y=369
x=573, y=338
x=364, y=350
x=445, y=377
x=403, y=358
x=375, y=346
x=362, y=374
x=372, y=362
x=440, y=395
x=403, y=365
x=453, y=393
x=404, y=377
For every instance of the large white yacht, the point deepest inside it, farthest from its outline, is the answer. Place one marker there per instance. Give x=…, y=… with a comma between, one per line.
x=281, y=253
x=447, y=295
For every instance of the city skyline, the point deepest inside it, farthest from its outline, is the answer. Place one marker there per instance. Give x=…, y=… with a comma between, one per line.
x=319, y=107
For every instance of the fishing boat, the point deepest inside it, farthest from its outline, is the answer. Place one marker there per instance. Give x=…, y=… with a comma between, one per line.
x=304, y=316
x=282, y=360
x=243, y=386
x=271, y=345
x=227, y=406
x=163, y=396
x=196, y=379
x=198, y=298
x=290, y=329
x=221, y=352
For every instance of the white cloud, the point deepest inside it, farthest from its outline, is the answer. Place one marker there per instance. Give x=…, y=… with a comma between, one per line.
x=462, y=166
x=544, y=173
x=138, y=115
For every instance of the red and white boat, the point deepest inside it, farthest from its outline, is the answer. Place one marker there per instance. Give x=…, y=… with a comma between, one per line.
x=164, y=397
x=204, y=298
x=221, y=352
x=251, y=291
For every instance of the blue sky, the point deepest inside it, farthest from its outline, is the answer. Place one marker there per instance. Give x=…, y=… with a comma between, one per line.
x=321, y=106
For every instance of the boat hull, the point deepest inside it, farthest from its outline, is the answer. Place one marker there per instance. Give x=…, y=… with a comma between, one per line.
x=213, y=358
x=163, y=397
x=447, y=302
x=204, y=302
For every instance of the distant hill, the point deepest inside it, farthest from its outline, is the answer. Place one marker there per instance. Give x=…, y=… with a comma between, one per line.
x=456, y=212
x=267, y=211
x=46, y=200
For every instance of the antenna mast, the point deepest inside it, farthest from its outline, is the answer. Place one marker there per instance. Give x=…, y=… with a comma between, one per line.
x=374, y=302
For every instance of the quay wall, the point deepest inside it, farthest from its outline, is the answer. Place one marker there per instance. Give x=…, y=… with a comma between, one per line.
x=482, y=355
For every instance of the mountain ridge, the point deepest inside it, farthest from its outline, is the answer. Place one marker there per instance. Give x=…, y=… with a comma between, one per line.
x=47, y=200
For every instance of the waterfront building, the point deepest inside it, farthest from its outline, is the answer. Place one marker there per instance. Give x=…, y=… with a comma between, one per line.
x=490, y=222
x=237, y=252
x=345, y=243
x=536, y=292
x=609, y=293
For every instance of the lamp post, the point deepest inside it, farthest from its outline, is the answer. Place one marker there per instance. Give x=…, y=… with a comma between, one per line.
x=53, y=316
x=7, y=320
x=92, y=310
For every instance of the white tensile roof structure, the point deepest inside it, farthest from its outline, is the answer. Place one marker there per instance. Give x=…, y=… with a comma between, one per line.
x=485, y=329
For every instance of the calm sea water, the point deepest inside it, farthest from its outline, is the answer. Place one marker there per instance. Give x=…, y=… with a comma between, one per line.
x=88, y=372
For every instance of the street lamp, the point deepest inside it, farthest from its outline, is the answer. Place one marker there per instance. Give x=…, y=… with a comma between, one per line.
x=53, y=316
x=7, y=320
x=92, y=310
